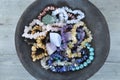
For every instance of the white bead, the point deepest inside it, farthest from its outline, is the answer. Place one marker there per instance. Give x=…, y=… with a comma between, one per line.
x=43, y=63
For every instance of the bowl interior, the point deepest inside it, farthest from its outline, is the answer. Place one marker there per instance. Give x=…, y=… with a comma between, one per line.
x=95, y=22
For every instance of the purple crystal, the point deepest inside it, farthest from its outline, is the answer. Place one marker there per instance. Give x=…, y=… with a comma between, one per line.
x=80, y=35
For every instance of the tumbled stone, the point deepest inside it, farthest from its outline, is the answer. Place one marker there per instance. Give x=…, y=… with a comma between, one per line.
x=48, y=19
x=55, y=39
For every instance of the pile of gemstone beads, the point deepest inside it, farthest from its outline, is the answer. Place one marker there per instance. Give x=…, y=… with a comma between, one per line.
x=60, y=40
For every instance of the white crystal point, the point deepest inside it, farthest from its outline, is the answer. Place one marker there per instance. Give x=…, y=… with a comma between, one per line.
x=51, y=48
x=55, y=38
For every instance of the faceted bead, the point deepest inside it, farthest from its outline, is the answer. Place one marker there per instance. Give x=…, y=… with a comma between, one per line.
x=49, y=62
x=48, y=19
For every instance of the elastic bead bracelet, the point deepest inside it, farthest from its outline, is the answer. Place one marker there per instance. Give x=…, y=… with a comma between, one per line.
x=89, y=35
x=74, y=67
x=38, y=45
x=63, y=16
x=74, y=39
x=54, y=56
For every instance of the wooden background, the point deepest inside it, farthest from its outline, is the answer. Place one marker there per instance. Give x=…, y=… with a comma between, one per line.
x=12, y=69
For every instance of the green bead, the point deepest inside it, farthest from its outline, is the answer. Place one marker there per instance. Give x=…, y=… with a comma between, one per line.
x=48, y=19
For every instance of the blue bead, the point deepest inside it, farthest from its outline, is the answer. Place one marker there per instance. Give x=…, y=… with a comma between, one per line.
x=58, y=69
x=88, y=61
x=53, y=69
x=65, y=59
x=85, y=64
x=70, y=68
x=64, y=68
x=91, y=58
x=85, y=57
x=83, y=52
x=81, y=66
x=49, y=62
x=78, y=61
x=91, y=53
x=91, y=49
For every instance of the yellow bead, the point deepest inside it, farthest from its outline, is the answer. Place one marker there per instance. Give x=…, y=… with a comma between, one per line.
x=33, y=48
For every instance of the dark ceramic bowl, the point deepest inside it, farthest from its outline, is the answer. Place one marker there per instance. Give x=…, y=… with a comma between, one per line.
x=95, y=22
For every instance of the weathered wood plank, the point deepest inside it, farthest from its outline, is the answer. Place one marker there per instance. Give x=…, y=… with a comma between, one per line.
x=11, y=69
x=10, y=66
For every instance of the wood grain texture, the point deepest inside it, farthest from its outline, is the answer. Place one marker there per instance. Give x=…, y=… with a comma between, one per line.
x=10, y=66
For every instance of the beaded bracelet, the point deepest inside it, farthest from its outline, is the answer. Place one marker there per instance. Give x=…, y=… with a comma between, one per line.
x=34, y=25
x=89, y=39
x=38, y=45
x=63, y=16
x=74, y=67
x=37, y=25
x=74, y=39
x=47, y=9
x=58, y=56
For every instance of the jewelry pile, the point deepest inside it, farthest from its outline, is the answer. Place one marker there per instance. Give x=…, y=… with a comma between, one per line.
x=60, y=40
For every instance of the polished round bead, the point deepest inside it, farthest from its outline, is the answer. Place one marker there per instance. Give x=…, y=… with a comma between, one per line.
x=91, y=49
x=81, y=66
x=91, y=53
x=77, y=67
x=88, y=61
x=91, y=58
x=85, y=64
